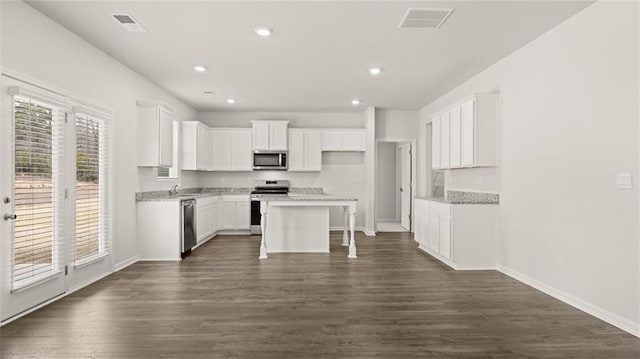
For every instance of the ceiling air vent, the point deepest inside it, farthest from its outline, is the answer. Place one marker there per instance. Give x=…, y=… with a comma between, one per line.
x=129, y=23
x=424, y=18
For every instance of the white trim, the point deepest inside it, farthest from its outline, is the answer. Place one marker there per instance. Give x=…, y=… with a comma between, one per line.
x=125, y=263
x=341, y=228
x=600, y=313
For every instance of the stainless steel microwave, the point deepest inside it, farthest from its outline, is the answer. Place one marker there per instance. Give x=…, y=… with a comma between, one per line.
x=270, y=160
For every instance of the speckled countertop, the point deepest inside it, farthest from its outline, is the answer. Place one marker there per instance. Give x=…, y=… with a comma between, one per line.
x=305, y=197
x=193, y=193
x=464, y=197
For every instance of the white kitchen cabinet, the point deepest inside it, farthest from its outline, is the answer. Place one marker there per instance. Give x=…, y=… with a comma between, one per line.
x=343, y=140
x=197, y=148
x=435, y=143
x=465, y=135
x=241, y=157
x=270, y=135
x=231, y=149
x=207, y=220
x=158, y=230
x=455, y=137
x=305, y=150
x=236, y=213
x=154, y=134
x=445, y=141
x=460, y=235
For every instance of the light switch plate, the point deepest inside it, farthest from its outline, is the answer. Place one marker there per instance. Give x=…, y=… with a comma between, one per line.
x=624, y=181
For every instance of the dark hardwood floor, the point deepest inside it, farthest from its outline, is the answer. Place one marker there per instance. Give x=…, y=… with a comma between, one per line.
x=391, y=302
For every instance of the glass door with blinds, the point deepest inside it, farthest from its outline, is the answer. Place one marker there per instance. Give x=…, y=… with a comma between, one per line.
x=33, y=183
x=55, y=196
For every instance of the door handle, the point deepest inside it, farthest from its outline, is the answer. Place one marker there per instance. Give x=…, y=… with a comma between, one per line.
x=8, y=216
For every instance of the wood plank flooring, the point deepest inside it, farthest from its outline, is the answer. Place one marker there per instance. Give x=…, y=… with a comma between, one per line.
x=391, y=302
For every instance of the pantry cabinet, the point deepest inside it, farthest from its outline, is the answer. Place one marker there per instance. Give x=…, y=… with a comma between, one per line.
x=305, y=150
x=460, y=235
x=270, y=135
x=154, y=133
x=343, y=140
x=465, y=134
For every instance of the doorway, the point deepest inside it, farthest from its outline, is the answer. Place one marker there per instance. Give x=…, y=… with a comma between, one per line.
x=395, y=185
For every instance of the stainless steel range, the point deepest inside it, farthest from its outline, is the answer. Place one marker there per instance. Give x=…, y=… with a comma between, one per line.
x=271, y=187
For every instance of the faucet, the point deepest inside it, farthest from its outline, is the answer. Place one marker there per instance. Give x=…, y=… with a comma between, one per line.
x=174, y=190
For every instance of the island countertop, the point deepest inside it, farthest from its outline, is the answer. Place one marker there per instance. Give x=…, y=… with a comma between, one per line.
x=304, y=197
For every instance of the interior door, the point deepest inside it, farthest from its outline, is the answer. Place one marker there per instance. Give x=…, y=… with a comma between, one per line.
x=32, y=185
x=405, y=185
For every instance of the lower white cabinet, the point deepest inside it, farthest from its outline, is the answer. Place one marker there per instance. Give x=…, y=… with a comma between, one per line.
x=236, y=212
x=158, y=230
x=207, y=217
x=460, y=235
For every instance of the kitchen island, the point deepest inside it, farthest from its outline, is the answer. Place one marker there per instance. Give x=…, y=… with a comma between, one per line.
x=299, y=223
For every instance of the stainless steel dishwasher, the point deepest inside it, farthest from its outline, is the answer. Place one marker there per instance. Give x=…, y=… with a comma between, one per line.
x=188, y=226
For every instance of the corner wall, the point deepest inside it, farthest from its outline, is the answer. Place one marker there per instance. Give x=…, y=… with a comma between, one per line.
x=569, y=125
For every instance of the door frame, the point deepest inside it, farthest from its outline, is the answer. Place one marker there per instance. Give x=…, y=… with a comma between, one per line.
x=412, y=142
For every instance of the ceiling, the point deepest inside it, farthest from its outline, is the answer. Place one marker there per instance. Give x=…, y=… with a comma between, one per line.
x=319, y=54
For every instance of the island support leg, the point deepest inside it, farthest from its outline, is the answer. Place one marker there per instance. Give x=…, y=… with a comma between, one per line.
x=352, y=224
x=263, y=227
x=345, y=236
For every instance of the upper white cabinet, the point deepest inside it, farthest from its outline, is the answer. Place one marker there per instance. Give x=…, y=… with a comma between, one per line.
x=231, y=149
x=270, y=135
x=465, y=135
x=343, y=140
x=305, y=150
x=154, y=134
x=197, y=150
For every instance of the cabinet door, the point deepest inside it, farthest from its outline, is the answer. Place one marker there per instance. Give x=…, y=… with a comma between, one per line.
x=445, y=236
x=221, y=153
x=434, y=237
x=243, y=215
x=312, y=151
x=444, y=140
x=228, y=215
x=203, y=148
x=467, y=130
x=435, y=142
x=261, y=136
x=353, y=141
x=454, y=126
x=241, y=150
x=165, y=150
x=331, y=140
x=296, y=153
x=278, y=136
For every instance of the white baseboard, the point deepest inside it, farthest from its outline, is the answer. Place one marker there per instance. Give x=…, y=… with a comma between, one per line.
x=357, y=229
x=602, y=314
x=369, y=233
x=125, y=263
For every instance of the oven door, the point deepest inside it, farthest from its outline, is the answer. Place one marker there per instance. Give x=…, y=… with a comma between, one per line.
x=269, y=160
x=255, y=216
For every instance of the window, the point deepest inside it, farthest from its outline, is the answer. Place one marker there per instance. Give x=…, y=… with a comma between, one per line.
x=38, y=200
x=172, y=172
x=91, y=188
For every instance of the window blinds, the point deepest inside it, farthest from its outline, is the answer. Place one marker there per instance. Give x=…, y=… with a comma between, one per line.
x=38, y=231
x=91, y=187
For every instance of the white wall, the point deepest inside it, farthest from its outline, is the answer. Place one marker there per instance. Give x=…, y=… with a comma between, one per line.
x=396, y=124
x=342, y=172
x=386, y=182
x=39, y=48
x=569, y=125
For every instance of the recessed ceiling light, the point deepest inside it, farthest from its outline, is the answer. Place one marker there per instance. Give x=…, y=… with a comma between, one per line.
x=231, y=100
x=200, y=68
x=355, y=102
x=263, y=31
x=208, y=92
x=375, y=71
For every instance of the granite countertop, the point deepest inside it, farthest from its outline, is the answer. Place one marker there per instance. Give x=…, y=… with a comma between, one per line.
x=194, y=193
x=306, y=197
x=465, y=197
